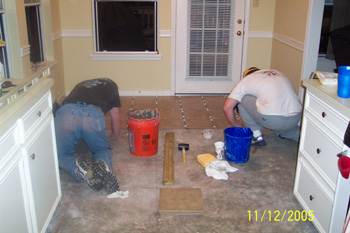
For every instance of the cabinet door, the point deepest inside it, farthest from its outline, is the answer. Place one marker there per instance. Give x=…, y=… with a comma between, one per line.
x=12, y=203
x=43, y=175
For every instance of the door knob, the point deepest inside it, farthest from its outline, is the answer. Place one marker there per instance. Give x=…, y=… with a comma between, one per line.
x=239, y=33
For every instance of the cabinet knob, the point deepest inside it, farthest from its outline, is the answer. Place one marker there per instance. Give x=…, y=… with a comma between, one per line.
x=32, y=156
x=39, y=114
x=318, y=150
x=311, y=197
x=239, y=33
x=324, y=114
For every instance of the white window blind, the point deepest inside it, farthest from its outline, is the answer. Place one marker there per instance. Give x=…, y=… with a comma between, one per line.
x=210, y=39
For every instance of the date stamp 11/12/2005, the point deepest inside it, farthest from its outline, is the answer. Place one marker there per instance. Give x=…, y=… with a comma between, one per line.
x=278, y=216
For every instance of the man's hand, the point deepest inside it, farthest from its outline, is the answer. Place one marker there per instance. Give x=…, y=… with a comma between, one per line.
x=116, y=137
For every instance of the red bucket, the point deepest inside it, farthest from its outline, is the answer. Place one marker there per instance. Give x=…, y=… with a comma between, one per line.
x=143, y=126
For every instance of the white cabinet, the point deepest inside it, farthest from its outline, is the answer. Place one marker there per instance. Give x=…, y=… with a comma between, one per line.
x=319, y=187
x=13, y=213
x=42, y=175
x=29, y=178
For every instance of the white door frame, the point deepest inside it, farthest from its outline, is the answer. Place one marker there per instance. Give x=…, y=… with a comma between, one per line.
x=312, y=40
x=173, y=41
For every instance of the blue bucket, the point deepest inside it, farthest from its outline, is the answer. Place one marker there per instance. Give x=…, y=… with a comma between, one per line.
x=237, y=144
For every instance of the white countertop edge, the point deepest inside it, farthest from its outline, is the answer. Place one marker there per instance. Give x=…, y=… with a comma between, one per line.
x=329, y=94
x=10, y=113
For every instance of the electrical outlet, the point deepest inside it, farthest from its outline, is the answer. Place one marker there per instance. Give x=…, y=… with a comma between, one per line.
x=255, y=3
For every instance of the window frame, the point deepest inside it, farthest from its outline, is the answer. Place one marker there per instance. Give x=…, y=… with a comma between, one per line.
x=126, y=55
x=4, y=36
x=37, y=4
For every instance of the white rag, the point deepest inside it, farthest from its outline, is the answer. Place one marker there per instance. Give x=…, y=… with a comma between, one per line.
x=218, y=169
x=119, y=194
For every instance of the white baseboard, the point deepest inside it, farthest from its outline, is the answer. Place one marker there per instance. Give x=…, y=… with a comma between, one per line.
x=145, y=93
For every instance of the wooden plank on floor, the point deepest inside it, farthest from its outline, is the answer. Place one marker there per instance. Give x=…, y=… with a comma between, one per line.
x=180, y=201
x=168, y=168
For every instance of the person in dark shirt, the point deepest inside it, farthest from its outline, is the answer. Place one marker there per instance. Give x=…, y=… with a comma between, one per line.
x=82, y=116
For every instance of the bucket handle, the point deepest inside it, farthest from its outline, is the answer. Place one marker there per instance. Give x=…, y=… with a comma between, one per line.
x=155, y=124
x=133, y=130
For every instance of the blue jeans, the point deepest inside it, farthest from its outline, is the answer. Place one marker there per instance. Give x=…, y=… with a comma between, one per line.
x=76, y=121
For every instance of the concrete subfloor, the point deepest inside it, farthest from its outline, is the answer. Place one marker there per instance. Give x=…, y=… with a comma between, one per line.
x=264, y=183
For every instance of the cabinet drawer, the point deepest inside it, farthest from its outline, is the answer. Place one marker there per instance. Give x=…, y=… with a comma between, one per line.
x=310, y=194
x=35, y=114
x=322, y=151
x=326, y=113
x=9, y=142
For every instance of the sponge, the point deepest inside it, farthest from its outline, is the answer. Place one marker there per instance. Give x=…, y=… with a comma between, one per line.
x=205, y=159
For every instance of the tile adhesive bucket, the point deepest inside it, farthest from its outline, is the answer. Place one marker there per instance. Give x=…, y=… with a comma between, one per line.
x=143, y=126
x=237, y=144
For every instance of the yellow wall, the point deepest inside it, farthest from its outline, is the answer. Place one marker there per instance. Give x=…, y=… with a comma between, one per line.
x=288, y=60
x=290, y=22
x=55, y=16
x=129, y=75
x=283, y=18
x=59, y=87
x=76, y=14
x=287, y=18
x=259, y=53
x=136, y=75
x=290, y=18
x=261, y=21
x=262, y=17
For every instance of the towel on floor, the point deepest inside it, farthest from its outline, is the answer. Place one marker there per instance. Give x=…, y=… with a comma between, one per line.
x=218, y=169
x=119, y=194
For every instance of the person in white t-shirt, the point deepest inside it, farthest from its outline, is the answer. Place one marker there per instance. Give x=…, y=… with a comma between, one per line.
x=265, y=98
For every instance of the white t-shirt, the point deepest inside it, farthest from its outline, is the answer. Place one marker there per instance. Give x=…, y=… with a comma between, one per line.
x=274, y=92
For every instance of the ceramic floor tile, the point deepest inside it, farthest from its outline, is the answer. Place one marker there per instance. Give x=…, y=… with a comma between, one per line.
x=171, y=124
x=170, y=114
x=198, y=112
x=198, y=123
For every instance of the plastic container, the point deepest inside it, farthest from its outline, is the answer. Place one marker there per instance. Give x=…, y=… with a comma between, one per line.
x=143, y=126
x=344, y=81
x=237, y=144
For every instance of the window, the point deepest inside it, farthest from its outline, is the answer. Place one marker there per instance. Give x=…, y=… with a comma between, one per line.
x=210, y=38
x=34, y=30
x=125, y=26
x=4, y=66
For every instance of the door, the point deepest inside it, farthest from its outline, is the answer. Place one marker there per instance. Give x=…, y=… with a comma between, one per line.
x=208, y=45
x=43, y=177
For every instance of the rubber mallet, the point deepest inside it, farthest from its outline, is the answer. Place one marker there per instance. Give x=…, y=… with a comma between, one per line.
x=184, y=147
